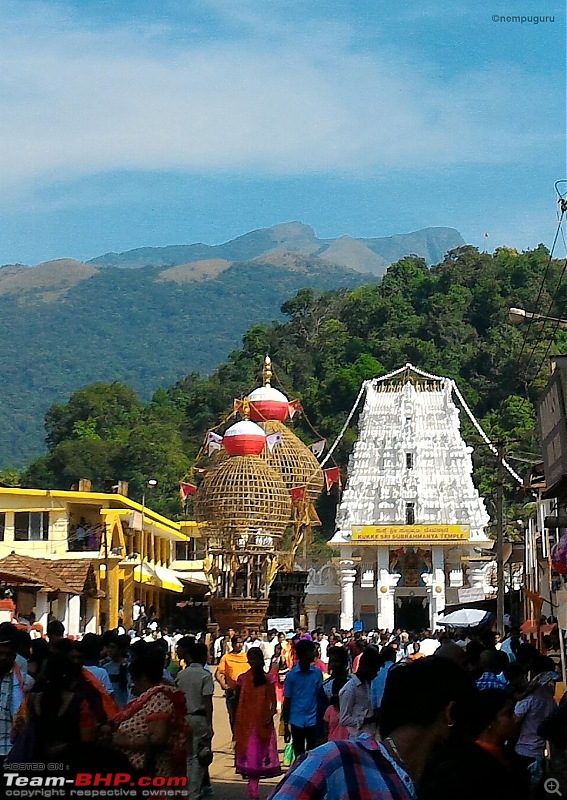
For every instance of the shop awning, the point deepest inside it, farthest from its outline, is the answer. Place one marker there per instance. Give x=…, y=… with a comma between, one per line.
x=197, y=577
x=195, y=582
x=168, y=579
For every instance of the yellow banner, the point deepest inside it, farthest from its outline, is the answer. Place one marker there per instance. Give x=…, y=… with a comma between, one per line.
x=409, y=534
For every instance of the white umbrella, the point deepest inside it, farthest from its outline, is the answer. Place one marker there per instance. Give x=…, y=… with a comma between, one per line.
x=465, y=618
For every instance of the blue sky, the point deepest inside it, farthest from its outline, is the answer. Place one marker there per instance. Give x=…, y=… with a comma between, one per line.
x=128, y=123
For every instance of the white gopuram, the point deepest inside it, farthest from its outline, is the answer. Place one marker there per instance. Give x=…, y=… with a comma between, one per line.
x=410, y=515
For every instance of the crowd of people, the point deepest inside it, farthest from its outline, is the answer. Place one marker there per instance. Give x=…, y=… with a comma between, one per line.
x=374, y=715
x=381, y=715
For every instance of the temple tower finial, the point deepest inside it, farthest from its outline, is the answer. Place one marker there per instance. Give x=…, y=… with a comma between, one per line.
x=267, y=371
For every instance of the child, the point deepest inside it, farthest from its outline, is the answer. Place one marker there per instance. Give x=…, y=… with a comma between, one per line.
x=279, y=669
x=334, y=730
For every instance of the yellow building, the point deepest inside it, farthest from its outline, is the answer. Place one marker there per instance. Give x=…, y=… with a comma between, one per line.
x=85, y=557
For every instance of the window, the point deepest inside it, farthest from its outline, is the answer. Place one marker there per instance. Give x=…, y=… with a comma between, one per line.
x=2, y=526
x=410, y=513
x=409, y=460
x=31, y=526
x=191, y=550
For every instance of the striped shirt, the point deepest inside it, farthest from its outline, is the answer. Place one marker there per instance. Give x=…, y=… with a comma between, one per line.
x=359, y=769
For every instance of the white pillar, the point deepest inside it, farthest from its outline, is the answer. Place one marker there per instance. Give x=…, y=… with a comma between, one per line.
x=386, y=590
x=73, y=624
x=347, y=576
x=63, y=611
x=437, y=602
x=90, y=624
x=42, y=609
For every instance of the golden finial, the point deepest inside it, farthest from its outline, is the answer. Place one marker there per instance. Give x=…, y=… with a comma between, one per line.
x=245, y=408
x=267, y=372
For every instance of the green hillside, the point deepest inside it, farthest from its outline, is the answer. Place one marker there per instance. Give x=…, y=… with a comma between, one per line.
x=142, y=328
x=451, y=320
x=149, y=316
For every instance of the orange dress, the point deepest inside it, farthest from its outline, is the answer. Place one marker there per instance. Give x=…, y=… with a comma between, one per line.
x=256, y=746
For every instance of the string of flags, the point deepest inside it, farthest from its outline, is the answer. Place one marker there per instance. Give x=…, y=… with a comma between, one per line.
x=272, y=440
x=298, y=494
x=294, y=408
x=213, y=442
x=318, y=448
x=186, y=490
x=332, y=476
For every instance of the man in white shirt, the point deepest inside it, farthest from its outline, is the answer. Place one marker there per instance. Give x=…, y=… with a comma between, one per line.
x=269, y=648
x=356, y=712
x=323, y=643
x=253, y=641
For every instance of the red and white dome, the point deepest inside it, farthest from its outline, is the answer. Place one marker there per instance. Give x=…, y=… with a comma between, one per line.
x=244, y=438
x=267, y=403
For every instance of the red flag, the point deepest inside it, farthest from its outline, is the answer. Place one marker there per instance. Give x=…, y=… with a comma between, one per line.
x=332, y=476
x=294, y=408
x=297, y=494
x=186, y=489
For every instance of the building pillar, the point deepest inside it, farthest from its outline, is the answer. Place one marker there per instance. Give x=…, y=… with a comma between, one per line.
x=311, y=612
x=91, y=621
x=73, y=623
x=63, y=611
x=42, y=609
x=437, y=600
x=112, y=586
x=128, y=596
x=386, y=590
x=347, y=576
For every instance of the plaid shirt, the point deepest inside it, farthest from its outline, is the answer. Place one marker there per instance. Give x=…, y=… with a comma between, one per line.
x=6, y=694
x=360, y=769
x=13, y=687
x=488, y=680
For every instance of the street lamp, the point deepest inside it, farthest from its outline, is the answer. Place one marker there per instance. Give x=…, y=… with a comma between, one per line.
x=517, y=316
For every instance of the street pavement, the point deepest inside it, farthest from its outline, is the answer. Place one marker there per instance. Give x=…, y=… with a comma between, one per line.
x=227, y=785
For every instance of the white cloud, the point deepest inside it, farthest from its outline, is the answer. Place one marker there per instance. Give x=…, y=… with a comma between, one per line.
x=77, y=100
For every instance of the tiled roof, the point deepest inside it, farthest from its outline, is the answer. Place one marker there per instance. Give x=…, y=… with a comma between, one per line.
x=31, y=571
x=70, y=576
x=78, y=573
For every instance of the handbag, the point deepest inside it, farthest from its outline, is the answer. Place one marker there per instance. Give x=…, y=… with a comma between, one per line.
x=288, y=755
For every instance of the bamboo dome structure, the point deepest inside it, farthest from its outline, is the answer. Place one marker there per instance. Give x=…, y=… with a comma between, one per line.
x=244, y=508
x=243, y=497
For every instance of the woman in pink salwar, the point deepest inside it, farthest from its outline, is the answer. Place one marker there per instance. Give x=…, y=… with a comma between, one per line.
x=256, y=747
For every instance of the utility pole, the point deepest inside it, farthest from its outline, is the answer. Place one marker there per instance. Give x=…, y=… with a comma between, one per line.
x=500, y=540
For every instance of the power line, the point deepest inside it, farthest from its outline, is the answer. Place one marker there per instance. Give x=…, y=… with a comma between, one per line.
x=556, y=324
x=531, y=319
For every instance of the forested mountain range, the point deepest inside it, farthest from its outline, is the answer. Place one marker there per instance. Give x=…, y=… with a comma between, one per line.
x=362, y=255
x=451, y=319
x=148, y=317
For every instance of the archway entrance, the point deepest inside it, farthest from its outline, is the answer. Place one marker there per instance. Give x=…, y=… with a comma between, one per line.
x=412, y=613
